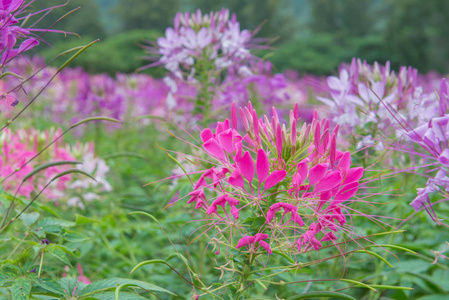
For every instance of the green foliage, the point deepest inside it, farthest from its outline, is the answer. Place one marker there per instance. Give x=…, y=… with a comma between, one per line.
x=84, y=22
x=276, y=17
x=142, y=14
x=322, y=53
x=120, y=53
x=416, y=35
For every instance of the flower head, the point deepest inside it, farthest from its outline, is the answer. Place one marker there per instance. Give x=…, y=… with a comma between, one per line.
x=273, y=167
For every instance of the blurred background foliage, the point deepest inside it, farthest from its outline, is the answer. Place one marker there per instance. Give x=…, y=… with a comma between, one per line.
x=311, y=36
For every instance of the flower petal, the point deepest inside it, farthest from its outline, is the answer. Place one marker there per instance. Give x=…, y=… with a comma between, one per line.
x=316, y=173
x=274, y=178
x=246, y=165
x=263, y=165
x=328, y=182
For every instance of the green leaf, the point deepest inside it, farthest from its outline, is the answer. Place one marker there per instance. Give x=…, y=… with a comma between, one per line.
x=80, y=219
x=376, y=255
x=148, y=262
x=70, y=171
x=49, y=285
x=146, y=214
x=10, y=74
x=433, y=297
x=358, y=283
x=125, y=154
x=4, y=238
x=3, y=278
x=150, y=117
x=284, y=256
x=30, y=218
x=118, y=289
x=429, y=281
x=184, y=259
x=391, y=287
x=68, y=284
x=392, y=246
x=46, y=208
x=21, y=288
x=180, y=165
x=58, y=253
x=54, y=221
x=123, y=296
x=331, y=295
x=71, y=236
x=412, y=265
x=112, y=283
x=81, y=50
x=49, y=165
x=94, y=119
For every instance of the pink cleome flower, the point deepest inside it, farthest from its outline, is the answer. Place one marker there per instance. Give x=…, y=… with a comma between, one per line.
x=270, y=168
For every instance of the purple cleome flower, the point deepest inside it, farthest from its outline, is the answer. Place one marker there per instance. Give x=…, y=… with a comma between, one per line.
x=196, y=37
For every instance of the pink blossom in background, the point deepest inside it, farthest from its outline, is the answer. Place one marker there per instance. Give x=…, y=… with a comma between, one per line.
x=17, y=161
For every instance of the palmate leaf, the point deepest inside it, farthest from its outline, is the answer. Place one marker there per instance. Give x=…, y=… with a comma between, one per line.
x=59, y=254
x=49, y=285
x=21, y=288
x=30, y=218
x=112, y=283
x=49, y=221
x=68, y=284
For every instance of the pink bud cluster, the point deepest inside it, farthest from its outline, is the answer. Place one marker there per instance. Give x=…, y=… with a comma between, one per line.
x=274, y=167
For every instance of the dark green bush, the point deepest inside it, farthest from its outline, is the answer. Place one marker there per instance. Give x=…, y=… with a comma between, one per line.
x=119, y=53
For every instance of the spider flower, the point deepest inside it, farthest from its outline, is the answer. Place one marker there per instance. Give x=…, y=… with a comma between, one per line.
x=364, y=99
x=433, y=138
x=21, y=154
x=272, y=167
x=14, y=38
x=195, y=37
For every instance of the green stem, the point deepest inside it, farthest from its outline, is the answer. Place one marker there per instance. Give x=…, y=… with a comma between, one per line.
x=40, y=265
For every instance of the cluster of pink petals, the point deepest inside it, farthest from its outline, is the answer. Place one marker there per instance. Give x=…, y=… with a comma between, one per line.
x=19, y=157
x=18, y=148
x=252, y=240
x=265, y=163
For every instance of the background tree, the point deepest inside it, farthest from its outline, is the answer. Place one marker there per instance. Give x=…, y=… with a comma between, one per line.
x=85, y=22
x=144, y=14
x=276, y=16
x=417, y=34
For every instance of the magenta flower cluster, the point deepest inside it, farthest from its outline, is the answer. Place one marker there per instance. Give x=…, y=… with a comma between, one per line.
x=274, y=167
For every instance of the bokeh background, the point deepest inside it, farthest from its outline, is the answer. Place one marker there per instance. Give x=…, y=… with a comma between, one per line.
x=310, y=36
